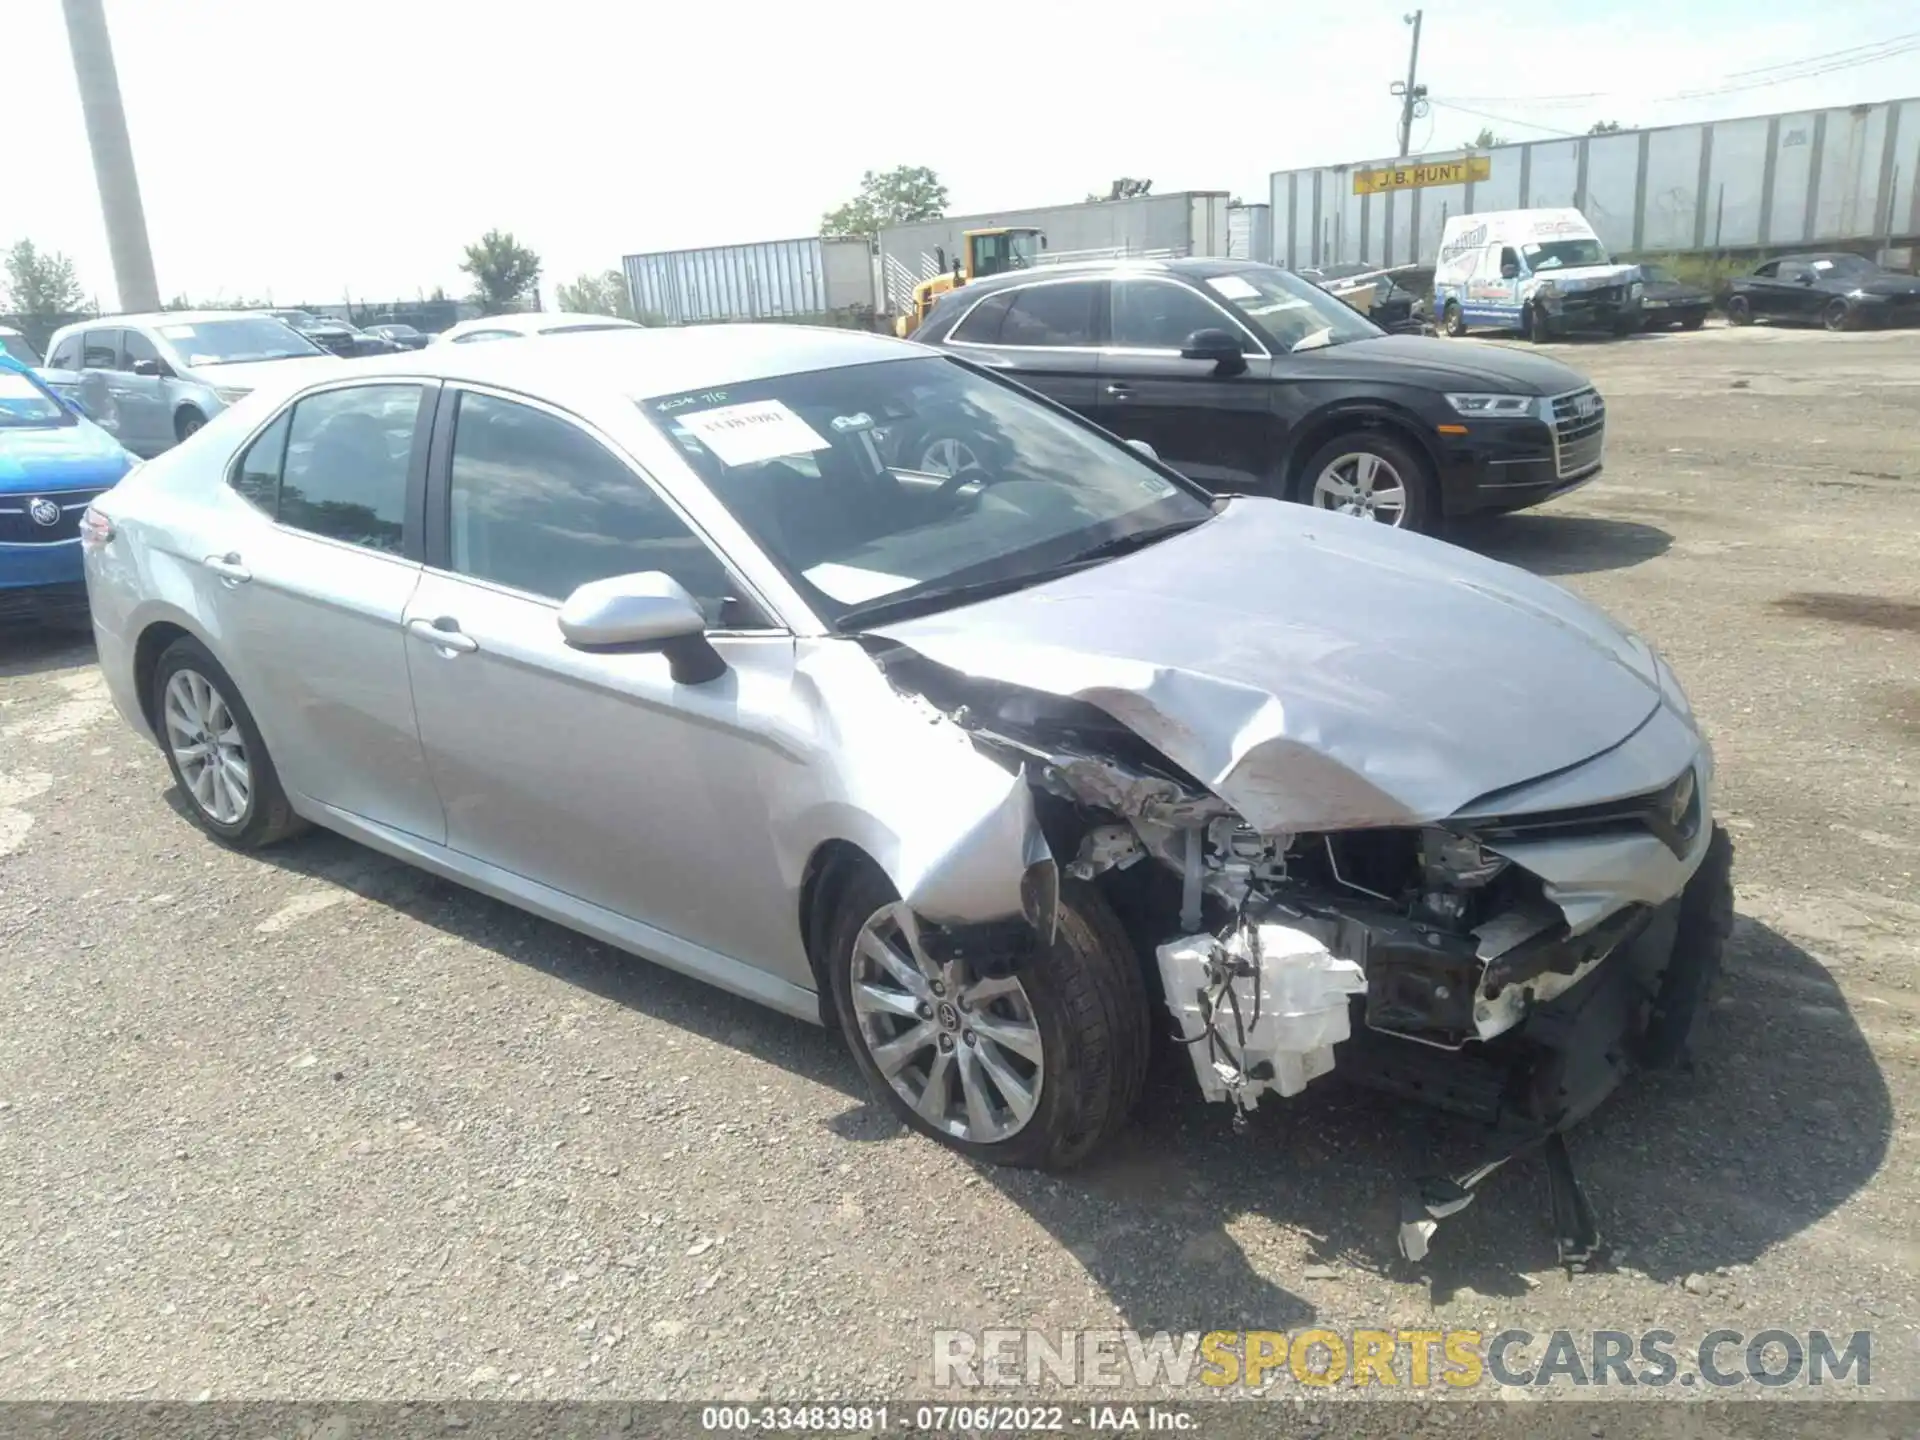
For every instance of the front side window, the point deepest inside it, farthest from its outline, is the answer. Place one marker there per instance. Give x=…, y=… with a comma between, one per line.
x=820, y=468
x=137, y=348
x=241, y=340
x=539, y=504
x=100, y=350
x=345, y=473
x=1054, y=315
x=66, y=355
x=1156, y=315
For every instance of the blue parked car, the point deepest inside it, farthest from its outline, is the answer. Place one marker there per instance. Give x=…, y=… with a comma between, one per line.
x=53, y=462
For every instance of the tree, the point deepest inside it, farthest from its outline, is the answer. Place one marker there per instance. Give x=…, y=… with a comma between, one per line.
x=602, y=294
x=1485, y=140
x=893, y=197
x=1605, y=127
x=42, y=283
x=505, y=273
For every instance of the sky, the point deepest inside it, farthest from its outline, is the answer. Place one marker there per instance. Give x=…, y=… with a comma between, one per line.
x=308, y=151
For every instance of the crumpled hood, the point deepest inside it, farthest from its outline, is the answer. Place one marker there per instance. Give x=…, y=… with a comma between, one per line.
x=1589, y=277
x=1316, y=671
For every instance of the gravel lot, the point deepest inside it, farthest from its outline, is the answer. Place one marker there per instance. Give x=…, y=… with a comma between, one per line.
x=312, y=1124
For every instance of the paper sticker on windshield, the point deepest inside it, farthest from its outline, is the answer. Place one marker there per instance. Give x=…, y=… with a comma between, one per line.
x=177, y=332
x=747, y=434
x=1823, y=264
x=1233, y=287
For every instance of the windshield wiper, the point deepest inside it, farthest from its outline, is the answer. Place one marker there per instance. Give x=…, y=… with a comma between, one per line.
x=947, y=596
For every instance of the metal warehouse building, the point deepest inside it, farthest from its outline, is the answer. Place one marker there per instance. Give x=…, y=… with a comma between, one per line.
x=1802, y=178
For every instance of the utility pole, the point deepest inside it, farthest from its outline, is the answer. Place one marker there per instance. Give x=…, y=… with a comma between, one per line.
x=112, y=154
x=1412, y=97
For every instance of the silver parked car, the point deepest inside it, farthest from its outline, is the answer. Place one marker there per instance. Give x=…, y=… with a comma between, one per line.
x=152, y=380
x=651, y=633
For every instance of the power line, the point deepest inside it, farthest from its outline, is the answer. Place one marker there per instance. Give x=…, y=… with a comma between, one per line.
x=1504, y=119
x=1829, y=55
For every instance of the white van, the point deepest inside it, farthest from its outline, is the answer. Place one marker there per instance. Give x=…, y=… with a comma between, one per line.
x=1541, y=272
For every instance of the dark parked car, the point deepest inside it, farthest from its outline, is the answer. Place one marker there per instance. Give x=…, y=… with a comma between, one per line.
x=1246, y=377
x=1840, y=291
x=1670, y=301
x=400, y=337
x=336, y=336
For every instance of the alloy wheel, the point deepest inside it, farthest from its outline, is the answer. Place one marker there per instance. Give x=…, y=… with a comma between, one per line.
x=962, y=1050
x=1364, y=484
x=947, y=456
x=205, y=740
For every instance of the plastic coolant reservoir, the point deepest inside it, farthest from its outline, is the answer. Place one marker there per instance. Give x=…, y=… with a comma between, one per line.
x=1301, y=1006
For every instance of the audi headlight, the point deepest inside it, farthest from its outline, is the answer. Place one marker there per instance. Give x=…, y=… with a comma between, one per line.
x=1489, y=406
x=231, y=394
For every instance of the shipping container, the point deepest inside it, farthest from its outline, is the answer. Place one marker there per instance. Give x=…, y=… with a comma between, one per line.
x=1249, y=232
x=1188, y=222
x=1843, y=176
x=774, y=280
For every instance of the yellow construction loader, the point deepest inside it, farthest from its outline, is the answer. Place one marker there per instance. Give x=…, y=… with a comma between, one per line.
x=983, y=253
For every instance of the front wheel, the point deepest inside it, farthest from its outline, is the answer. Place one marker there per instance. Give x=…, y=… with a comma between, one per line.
x=1455, y=322
x=1534, y=325
x=1372, y=476
x=187, y=422
x=1739, y=310
x=215, y=752
x=1035, y=1067
x=1693, y=322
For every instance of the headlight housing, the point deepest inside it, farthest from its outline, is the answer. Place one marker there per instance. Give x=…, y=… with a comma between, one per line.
x=1490, y=406
x=231, y=394
x=1637, y=290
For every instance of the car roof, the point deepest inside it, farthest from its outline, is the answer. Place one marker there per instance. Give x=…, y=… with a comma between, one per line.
x=163, y=317
x=642, y=362
x=1809, y=255
x=1193, y=267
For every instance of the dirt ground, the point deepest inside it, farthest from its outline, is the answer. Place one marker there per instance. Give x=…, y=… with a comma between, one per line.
x=312, y=1124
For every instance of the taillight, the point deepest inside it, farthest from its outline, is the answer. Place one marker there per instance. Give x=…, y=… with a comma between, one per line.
x=95, y=527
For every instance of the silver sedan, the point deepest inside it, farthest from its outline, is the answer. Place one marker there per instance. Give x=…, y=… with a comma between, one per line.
x=1005, y=772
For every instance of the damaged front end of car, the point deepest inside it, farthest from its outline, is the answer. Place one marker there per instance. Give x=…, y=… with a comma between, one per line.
x=1508, y=962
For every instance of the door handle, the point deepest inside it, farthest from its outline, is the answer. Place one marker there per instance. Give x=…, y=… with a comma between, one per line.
x=228, y=568
x=1118, y=391
x=444, y=634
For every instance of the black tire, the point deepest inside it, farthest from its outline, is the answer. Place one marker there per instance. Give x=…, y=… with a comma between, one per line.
x=1838, y=315
x=1739, y=310
x=267, y=817
x=186, y=422
x=1706, y=922
x=1534, y=325
x=1089, y=1002
x=1422, y=509
x=1454, y=321
x=1625, y=326
x=1693, y=322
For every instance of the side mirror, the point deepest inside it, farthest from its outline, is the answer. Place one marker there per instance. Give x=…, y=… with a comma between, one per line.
x=646, y=611
x=1145, y=449
x=1509, y=272
x=1217, y=346
x=152, y=368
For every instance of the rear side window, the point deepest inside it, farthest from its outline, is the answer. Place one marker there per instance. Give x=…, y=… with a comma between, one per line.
x=1055, y=315
x=257, y=476
x=982, y=325
x=343, y=473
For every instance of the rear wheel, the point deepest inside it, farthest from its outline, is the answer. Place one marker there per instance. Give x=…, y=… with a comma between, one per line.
x=1372, y=476
x=1739, y=310
x=1837, y=316
x=1035, y=1067
x=215, y=752
x=1455, y=322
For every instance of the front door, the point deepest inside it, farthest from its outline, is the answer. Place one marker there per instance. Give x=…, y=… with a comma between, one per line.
x=144, y=401
x=309, y=576
x=595, y=774
x=1218, y=429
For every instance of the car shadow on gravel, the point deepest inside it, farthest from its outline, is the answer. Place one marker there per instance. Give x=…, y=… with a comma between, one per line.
x=37, y=650
x=1562, y=544
x=1782, y=1117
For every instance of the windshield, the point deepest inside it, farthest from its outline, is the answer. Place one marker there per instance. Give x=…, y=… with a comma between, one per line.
x=1563, y=254
x=1292, y=313
x=882, y=487
x=25, y=406
x=20, y=348
x=1656, y=275
x=231, y=342
x=1850, y=266
x=995, y=254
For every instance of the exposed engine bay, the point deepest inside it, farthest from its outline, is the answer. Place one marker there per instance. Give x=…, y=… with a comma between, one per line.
x=1422, y=959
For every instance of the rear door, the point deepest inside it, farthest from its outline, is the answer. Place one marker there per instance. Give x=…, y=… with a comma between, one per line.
x=310, y=578
x=1217, y=429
